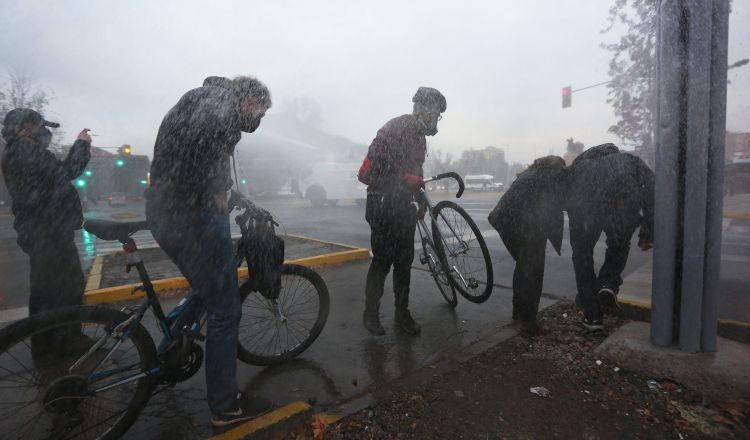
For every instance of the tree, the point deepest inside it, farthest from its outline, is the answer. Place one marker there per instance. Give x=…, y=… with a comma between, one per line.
x=489, y=160
x=632, y=91
x=437, y=163
x=22, y=91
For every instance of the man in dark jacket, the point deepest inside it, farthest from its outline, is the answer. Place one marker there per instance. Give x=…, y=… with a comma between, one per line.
x=393, y=172
x=529, y=214
x=47, y=211
x=610, y=192
x=187, y=210
x=46, y=206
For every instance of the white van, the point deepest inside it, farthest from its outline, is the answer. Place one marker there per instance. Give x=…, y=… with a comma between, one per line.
x=481, y=182
x=325, y=183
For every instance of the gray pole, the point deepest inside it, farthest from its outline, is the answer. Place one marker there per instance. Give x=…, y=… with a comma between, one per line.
x=667, y=170
x=696, y=172
x=715, y=194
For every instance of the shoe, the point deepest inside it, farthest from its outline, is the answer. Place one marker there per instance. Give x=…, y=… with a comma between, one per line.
x=608, y=300
x=593, y=325
x=530, y=329
x=406, y=323
x=245, y=408
x=372, y=323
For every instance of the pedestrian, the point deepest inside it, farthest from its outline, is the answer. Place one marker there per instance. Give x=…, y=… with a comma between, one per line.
x=527, y=215
x=47, y=212
x=611, y=192
x=187, y=210
x=393, y=172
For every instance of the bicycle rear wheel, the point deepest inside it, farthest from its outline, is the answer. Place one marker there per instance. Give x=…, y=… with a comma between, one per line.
x=272, y=331
x=50, y=388
x=439, y=270
x=458, y=237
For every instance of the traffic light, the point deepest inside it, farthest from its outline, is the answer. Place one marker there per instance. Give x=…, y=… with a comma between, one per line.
x=144, y=182
x=125, y=149
x=87, y=173
x=567, y=93
x=244, y=182
x=120, y=163
x=81, y=183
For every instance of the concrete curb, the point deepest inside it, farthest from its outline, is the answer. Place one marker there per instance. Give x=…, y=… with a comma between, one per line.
x=737, y=215
x=734, y=330
x=128, y=292
x=280, y=418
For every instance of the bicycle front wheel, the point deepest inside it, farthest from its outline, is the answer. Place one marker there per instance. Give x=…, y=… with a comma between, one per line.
x=439, y=270
x=275, y=330
x=458, y=237
x=63, y=375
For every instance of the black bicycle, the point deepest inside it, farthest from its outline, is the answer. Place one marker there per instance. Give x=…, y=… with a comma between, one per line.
x=454, y=251
x=96, y=390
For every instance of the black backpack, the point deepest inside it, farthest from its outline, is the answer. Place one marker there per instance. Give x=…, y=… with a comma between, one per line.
x=264, y=252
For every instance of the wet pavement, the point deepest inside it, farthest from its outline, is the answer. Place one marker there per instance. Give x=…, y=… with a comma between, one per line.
x=345, y=361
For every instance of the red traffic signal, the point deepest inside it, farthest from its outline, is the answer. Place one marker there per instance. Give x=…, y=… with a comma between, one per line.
x=567, y=93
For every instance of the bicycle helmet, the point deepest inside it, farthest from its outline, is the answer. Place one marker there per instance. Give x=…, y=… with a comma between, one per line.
x=430, y=97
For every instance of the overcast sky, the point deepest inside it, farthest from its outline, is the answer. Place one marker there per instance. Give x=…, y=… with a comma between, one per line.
x=117, y=67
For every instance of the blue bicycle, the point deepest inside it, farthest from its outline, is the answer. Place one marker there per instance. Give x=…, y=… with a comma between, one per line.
x=94, y=386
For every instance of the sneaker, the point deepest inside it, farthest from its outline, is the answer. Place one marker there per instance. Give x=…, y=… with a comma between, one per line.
x=244, y=408
x=406, y=323
x=608, y=300
x=372, y=323
x=593, y=325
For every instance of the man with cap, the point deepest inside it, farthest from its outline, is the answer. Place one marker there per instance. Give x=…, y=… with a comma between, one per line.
x=46, y=207
x=393, y=172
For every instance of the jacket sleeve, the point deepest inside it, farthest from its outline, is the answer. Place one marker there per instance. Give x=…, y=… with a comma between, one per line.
x=378, y=153
x=77, y=159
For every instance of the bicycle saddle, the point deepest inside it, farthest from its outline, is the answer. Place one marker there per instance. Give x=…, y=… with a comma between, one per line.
x=111, y=230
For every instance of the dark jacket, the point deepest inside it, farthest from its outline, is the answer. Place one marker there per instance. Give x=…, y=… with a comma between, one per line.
x=398, y=149
x=533, y=205
x=44, y=199
x=614, y=183
x=193, y=148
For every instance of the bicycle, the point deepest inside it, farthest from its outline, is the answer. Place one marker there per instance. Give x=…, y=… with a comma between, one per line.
x=97, y=391
x=450, y=252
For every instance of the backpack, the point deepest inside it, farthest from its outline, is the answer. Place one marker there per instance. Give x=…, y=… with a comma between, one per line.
x=264, y=252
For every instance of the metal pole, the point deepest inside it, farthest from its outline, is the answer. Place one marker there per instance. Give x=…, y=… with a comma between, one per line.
x=696, y=172
x=669, y=138
x=715, y=194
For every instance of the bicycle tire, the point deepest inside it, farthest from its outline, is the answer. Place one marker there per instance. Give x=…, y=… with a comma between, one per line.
x=432, y=257
x=257, y=310
x=58, y=405
x=483, y=289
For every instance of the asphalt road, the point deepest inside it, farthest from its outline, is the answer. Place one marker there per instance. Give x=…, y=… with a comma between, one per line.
x=345, y=223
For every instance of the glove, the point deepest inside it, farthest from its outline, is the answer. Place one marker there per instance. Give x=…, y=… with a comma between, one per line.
x=414, y=181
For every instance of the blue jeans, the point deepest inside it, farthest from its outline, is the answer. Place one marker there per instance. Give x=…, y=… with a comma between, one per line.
x=200, y=244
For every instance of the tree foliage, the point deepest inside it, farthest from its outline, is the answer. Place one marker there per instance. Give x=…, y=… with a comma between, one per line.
x=489, y=160
x=22, y=91
x=632, y=91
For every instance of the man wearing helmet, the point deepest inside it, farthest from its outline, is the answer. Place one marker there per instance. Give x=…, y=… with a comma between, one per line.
x=393, y=172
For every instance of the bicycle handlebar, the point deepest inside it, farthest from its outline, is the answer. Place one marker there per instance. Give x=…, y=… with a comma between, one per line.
x=237, y=200
x=455, y=176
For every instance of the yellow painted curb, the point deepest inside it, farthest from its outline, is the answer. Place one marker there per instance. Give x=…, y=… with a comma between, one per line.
x=634, y=303
x=263, y=421
x=647, y=306
x=737, y=215
x=95, y=274
x=126, y=292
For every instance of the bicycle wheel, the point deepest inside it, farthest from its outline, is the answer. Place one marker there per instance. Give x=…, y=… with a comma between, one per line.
x=50, y=387
x=272, y=331
x=456, y=234
x=439, y=271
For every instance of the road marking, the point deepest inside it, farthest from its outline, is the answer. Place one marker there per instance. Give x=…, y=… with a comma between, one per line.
x=10, y=315
x=264, y=421
x=95, y=274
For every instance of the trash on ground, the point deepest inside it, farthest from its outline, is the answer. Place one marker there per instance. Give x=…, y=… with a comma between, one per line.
x=598, y=362
x=653, y=385
x=539, y=391
x=616, y=369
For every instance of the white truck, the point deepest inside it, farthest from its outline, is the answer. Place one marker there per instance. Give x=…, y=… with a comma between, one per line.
x=325, y=183
x=482, y=182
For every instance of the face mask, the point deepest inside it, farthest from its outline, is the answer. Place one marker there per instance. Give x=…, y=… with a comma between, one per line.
x=249, y=124
x=430, y=129
x=44, y=137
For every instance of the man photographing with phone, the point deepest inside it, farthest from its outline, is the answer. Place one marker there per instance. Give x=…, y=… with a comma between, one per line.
x=47, y=211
